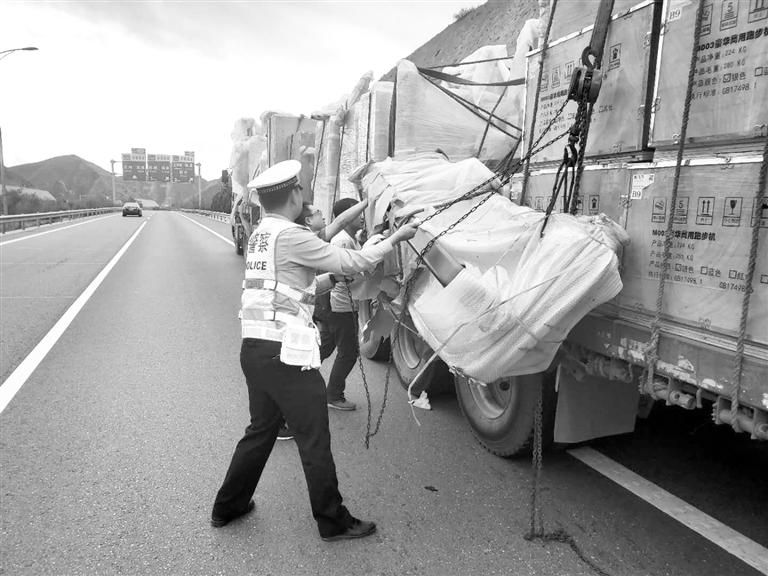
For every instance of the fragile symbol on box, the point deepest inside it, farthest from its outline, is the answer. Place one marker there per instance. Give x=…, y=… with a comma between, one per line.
x=705, y=211
x=659, y=213
x=594, y=204
x=614, y=60
x=732, y=212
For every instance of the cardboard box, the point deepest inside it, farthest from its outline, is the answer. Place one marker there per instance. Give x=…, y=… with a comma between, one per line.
x=713, y=227
x=619, y=120
x=713, y=223
x=731, y=81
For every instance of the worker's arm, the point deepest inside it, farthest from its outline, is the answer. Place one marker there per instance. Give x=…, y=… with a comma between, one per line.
x=308, y=250
x=341, y=221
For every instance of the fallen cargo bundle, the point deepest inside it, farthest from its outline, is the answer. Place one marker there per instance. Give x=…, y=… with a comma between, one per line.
x=523, y=283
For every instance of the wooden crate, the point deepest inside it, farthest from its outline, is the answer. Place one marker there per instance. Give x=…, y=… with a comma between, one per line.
x=731, y=82
x=619, y=121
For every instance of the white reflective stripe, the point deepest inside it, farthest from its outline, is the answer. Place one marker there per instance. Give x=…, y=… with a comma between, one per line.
x=261, y=333
x=257, y=315
x=284, y=289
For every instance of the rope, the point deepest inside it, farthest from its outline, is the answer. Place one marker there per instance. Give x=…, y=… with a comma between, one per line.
x=392, y=120
x=368, y=128
x=472, y=62
x=476, y=110
x=653, y=345
x=544, y=48
x=739, y=359
x=319, y=156
x=338, y=165
x=453, y=79
x=488, y=124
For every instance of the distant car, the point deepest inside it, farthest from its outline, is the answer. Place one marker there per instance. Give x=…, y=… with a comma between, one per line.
x=131, y=208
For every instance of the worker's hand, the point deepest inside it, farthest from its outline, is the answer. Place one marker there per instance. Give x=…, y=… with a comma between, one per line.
x=406, y=215
x=406, y=231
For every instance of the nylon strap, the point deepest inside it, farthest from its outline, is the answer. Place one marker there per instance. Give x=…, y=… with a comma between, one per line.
x=265, y=284
x=599, y=34
x=459, y=80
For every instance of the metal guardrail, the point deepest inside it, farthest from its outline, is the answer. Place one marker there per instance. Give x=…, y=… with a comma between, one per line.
x=24, y=221
x=220, y=216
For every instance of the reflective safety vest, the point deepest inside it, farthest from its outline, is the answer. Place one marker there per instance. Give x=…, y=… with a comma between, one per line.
x=268, y=305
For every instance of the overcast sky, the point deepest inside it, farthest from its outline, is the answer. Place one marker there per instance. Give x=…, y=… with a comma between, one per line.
x=174, y=76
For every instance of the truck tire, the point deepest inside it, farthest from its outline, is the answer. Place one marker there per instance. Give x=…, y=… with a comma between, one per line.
x=501, y=414
x=409, y=355
x=373, y=350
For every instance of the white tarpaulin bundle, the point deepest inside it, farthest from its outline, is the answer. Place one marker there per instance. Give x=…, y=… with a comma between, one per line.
x=520, y=293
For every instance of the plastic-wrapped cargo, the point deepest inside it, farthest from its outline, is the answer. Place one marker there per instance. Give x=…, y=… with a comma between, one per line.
x=248, y=148
x=378, y=123
x=505, y=101
x=428, y=119
x=519, y=293
x=328, y=178
x=731, y=82
x=292, y=137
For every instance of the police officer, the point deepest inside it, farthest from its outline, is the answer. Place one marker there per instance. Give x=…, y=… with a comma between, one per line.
x=280, y=369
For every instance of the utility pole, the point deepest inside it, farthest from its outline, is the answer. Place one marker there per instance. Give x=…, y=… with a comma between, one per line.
x=2, y=176
x=113, y=181
x=199, y=189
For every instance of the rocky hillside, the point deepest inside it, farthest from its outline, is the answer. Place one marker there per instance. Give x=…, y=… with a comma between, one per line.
x=495, y=22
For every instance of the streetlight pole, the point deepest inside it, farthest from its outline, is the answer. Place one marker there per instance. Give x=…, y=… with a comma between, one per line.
x=199, y=189
x=4, y=53
x=113, y=181
x=4, y=202
x=2, y=177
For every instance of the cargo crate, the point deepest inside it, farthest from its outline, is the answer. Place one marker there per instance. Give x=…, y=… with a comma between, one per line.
x=620, y=118
x=575, y=15
x=713, y=221
x=291, y=137
x=731, y=82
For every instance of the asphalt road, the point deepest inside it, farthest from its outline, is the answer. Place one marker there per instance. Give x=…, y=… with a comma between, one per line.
x=112, y=450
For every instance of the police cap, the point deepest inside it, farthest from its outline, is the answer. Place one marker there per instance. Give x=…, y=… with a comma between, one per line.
x=282, y=176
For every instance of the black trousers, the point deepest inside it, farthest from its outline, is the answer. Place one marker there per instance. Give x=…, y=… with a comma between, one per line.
x=339, y=331
x=276, y=392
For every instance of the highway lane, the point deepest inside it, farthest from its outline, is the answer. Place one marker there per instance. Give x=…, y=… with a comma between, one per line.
x=111, y=453
x=42, y=274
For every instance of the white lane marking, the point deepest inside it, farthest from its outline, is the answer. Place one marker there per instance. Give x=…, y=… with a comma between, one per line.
x=746, y=550
x=23, y=371
x=227, y=240
x=55, y=230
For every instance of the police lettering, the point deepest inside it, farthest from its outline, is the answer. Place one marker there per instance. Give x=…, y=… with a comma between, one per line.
x=256, y=265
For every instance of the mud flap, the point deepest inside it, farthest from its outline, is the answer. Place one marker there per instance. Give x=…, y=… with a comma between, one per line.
x=593, y=407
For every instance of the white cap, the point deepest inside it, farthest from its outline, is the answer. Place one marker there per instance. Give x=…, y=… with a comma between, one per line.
x=283, y=175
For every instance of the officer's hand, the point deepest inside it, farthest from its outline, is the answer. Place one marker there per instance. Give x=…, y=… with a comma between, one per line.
x=406, y=231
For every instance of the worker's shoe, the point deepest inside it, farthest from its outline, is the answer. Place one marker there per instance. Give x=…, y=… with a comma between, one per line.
x=358, y=529
x=342, y=404
x=284, y=433
x=219, y=521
